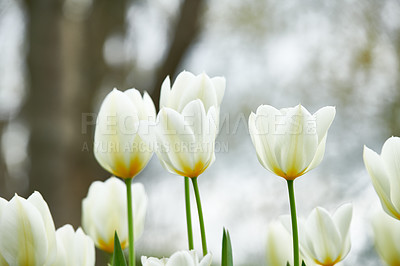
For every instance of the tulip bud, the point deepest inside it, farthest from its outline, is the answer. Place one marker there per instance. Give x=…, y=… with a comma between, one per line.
x=104, y=211
x=118, y=148
x=326, y=238
x=27, y=231
x=179, y=258
x=290, y=142
x=384, y=170
x=74, y=248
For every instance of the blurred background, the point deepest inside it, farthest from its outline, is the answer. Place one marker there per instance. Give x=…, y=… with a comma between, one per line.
x=59, y=58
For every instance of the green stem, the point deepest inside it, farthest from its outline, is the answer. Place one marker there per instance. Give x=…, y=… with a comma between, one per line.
x=201, y=220
x=128, y=183
x=188, y=214
x=294, y=222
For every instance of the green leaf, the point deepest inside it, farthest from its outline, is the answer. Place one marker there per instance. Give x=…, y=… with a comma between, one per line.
x=118, y=258
x=226, y=258
x=303, y=263
x=287, y=264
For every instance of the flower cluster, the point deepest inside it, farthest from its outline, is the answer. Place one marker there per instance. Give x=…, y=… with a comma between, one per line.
x=289, y=143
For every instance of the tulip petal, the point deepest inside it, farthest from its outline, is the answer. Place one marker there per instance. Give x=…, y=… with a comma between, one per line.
x=202, y=88
x=206, y=261
x=180, y=258
x=295, y=147
x=37, y=200
x=324, y=118
x=380, y=180
x=342, y=219
x=181, y=84
x=324, y=240
x=174, y=136
x=391, y=157
x=165, y=92
x=23, y=234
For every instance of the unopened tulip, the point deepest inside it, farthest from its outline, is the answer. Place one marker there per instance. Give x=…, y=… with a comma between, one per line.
x=326, y=238
x=384, y=170
x=179, y=258
x=188, y=87
x=184, y=141
x=74, y=248
x=104, y=211
x=387, y=238
x=27, y=232
x=290, y=142
x=118, y=148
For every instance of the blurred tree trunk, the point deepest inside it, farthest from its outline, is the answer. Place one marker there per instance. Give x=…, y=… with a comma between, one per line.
x=66, y=67
x=43, y=108
x=186, y=30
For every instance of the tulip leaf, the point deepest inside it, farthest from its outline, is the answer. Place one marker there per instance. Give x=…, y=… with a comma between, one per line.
x=226, y=258
x=287, y=264
x=303, y=263
x=118, y=258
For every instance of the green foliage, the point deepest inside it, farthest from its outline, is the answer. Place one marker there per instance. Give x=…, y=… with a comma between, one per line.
x=118, y=258
x=287, y=264
x=226, y=258
x=303, y=263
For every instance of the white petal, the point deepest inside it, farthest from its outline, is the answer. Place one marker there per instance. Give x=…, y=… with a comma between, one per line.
x=151, y=261
x=279, y=245
x=323, y=236
x=180, y=86
x=342, y=219
x=180, y=258
x=165, y=93
x=149, y=106
x=295, y=146
x=139, y=203
x=206, y=261
x=380, y=179
x=391, y=158
x=22, y=234
x=324, y=118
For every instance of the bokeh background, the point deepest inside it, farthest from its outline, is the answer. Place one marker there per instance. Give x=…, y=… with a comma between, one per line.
x=59, y=58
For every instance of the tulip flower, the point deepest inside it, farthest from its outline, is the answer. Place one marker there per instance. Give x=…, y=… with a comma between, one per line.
x=27, y=231
x=179, y=258
x=280, y=247
x=104, y=211
x=384, y=170
x=185, y=146
x=387, y=238
x=290, y=142
x=326, y=238
x=188, y=87
x=118, y=147
x=74, y=248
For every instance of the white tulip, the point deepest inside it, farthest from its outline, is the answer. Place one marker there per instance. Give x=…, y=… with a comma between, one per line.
x=184, y=142
x=27, y=231
x=179, y=258
x=290, y=142
x=280, y=246
x=188, y=87
x=104, y=211
x=387, y=238
x=326, y=238
x=118, y=148
x=3, y=202
x=384, y=170
x=74, y=248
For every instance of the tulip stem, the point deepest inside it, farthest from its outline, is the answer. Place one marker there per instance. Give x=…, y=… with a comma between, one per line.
x=200, y=211
x=188, y=214
x=294, y=222
x=128, y=183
